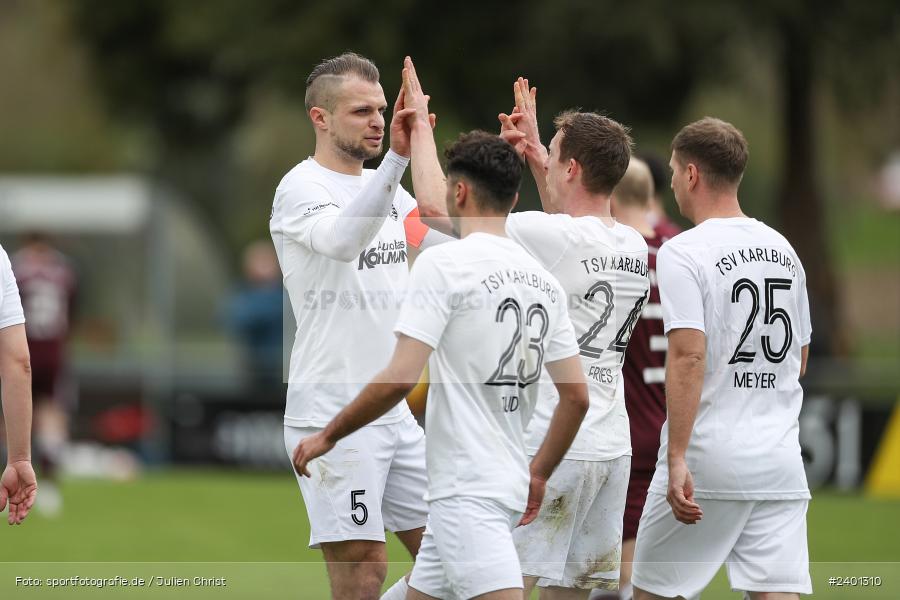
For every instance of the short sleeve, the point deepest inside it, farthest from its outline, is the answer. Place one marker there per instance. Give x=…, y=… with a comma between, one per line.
x=11, y=312
x=562, y=343
x=426, y=306
x=298, y=207
x=805, y=321
x=680, y=292
x=540, y=234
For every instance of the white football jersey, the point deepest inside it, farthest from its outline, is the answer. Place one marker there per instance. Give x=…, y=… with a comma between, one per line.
x=494, y=316
x=345, y=312
x=603, y=270
x=741, y=283
x=10, y=303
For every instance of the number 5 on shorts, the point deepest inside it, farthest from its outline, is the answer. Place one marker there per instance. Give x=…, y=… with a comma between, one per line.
x=354, y=505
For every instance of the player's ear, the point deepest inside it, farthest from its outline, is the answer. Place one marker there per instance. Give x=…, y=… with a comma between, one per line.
x=693, y=176
x=571, y=169
x=462, y=193
x=319, y=118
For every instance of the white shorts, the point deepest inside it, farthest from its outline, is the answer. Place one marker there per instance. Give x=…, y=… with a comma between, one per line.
x=373, y=479
x=467, y=549
x=761, y=542
x=576, y=539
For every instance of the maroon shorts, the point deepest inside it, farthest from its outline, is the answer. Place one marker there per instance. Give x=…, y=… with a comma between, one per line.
x=43, y=384
x=46, y=368
x=634, y=502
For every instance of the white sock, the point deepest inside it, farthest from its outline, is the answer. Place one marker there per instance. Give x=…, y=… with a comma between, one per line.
x=626, y=592
x=397, y=591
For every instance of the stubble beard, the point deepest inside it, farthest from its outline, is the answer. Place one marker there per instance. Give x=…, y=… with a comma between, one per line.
x=356, y=151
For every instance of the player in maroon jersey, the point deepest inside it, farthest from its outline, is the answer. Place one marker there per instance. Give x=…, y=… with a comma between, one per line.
x=47, y=286
x=656, y=213
x=644, y=366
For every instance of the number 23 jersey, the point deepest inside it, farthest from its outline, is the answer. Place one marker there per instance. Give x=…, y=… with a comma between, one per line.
x=741, y=283
x=494, y=316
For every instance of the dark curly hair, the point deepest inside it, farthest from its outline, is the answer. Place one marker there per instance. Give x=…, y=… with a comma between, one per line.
x=491, y=165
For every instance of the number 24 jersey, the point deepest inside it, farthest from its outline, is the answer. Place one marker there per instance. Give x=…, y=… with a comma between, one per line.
x=603, y=269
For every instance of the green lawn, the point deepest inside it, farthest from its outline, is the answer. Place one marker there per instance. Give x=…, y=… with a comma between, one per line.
x=865, y=236
x=251, y=530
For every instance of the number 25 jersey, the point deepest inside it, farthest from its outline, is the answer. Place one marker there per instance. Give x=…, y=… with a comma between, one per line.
x=494, y=316
x=741, y=283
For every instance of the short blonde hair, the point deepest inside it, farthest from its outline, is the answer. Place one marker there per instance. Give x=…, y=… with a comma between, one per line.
x=636, y=186
x=718, y=147
x=321, y=82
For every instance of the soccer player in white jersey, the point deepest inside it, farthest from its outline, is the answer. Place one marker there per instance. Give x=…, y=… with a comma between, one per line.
x=736, y=314
x=342, y=234
x=574, y=545
x=488, y=317
x=18, y=486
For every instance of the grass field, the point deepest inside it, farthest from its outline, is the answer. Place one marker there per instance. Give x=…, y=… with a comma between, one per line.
x=250, y=530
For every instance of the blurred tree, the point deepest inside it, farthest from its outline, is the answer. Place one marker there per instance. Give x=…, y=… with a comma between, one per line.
x=851, y=47
x=51, y=115
x=187, y=71
x=169, y=70
x=187, y=74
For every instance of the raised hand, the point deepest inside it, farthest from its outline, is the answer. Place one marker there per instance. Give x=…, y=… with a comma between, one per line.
x=415, y=98
x=411, y=103
x=399, y=125
x=18, y=487
x=511, y=133
x=521, y=128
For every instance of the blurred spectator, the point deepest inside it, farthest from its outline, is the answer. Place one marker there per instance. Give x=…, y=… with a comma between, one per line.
x=47, y=285
x=662, y=178
x=255, y=313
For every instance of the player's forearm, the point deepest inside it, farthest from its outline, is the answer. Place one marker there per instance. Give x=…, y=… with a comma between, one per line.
x=536, y=166
x=570, y=411
x=377, y=398
x=347, y=234
x=804, y=359
x=684, y=384
x=429, y=182
x=15, y=374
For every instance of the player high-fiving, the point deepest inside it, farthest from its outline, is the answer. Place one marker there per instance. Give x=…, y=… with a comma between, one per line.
x=602, y=266
x=342, y=234
x=489, y=318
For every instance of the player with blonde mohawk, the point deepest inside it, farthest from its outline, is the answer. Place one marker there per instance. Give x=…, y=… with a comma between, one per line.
x=342, y=234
